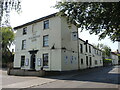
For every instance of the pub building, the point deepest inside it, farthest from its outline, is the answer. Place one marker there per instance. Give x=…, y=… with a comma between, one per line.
x=50, y=44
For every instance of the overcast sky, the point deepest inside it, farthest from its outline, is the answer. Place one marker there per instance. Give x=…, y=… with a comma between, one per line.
x=34, y=9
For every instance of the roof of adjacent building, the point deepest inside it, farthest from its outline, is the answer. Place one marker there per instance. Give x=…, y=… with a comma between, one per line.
x=35, y=21
x=89, y=44
x=115, y=53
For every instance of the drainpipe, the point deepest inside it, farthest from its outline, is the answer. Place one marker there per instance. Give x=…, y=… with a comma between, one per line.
x=78, y=49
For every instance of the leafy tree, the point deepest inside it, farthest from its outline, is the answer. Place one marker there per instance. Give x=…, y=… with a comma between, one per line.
x=6, y=6
x=6, y=34
x=7, y=41
x=106, y=52
x=100, y=18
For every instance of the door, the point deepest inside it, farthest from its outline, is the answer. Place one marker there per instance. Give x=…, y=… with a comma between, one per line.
x=87, y=61
x=90, y=61
x=33, y=57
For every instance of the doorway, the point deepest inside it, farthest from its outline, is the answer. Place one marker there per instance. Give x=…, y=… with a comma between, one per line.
x=33, y=58
x=90, y=61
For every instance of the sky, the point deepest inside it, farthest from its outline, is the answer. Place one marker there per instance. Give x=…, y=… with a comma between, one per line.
x=34, y=9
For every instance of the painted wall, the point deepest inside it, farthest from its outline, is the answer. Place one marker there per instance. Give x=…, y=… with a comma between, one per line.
x=114, y=59
x=93, y=54
x=69, y=57
x=37, y=44
x=65, y=40
x=119, y=47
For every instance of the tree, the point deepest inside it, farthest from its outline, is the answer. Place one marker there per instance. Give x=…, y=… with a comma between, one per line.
x=6, y=6
x=100, y=18
x=7, y=41
x=105, y=49
x=106, y=52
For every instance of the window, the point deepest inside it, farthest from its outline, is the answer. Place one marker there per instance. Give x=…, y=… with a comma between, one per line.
x=100, y=61
x=95, y=62
x=100, y=53
x=81, y=61
x=23, y=44
x=22, y=61
x=81, y=48
x=86, y=48
x=45, y=59
x=90, y=61
x=97, y=52
x=24, y=30
x=89, y=49
x=45, y=41
x=87, y=60
x=46, y=24
x=94, y=51
x=74, y=35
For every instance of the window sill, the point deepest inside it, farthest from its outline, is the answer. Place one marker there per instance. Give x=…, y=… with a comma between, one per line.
x=46, y=28
x=23, y=49
x=24, y=34
x=45, y=46
x=45, y=67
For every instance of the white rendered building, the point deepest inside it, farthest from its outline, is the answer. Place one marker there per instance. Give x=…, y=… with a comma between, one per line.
x=50, y=44
x=114, y=58
x=119, y=46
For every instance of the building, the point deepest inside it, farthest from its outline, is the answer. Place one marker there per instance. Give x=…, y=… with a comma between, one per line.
x=89, y=56
x=119, y=46
x=50, y=44
x=114, y=58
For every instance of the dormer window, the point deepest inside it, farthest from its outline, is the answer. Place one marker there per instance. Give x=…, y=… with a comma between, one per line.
x=46, y=24
x=24, y=30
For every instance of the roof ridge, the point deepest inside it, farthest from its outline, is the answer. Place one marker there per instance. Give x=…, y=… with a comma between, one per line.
x=37, y=20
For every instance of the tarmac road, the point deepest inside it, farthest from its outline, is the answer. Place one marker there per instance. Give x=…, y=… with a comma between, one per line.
x=103, y=77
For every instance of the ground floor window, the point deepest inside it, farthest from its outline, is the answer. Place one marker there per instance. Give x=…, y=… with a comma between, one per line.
x=100, y=61
x=90, y=61
x=95, y=62
x=22, y=61
x=45, y=59
x=87, y=60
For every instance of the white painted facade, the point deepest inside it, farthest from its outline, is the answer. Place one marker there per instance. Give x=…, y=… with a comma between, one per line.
x=93, y=54
x=119, y=46
x=62, y=50
x=114, y=58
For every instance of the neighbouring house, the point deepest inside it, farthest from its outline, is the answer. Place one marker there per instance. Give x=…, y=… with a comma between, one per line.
x=89, y=56
x=119, y=46
x=50, y=44
x=114, y=58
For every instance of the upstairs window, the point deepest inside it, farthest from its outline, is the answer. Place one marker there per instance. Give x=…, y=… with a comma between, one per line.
x=89, y=49
x=86, y=48
x=45, y=41
x=24, y=30
x=74, y=36
x=81, y=48
x=22, y=61
x=46, y=24
x=23, y=44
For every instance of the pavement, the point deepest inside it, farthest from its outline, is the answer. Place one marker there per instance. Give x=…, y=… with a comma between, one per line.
x=90, y=78
x=27, y=81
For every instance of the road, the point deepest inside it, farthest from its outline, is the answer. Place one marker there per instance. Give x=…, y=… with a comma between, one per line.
x=103, y=77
